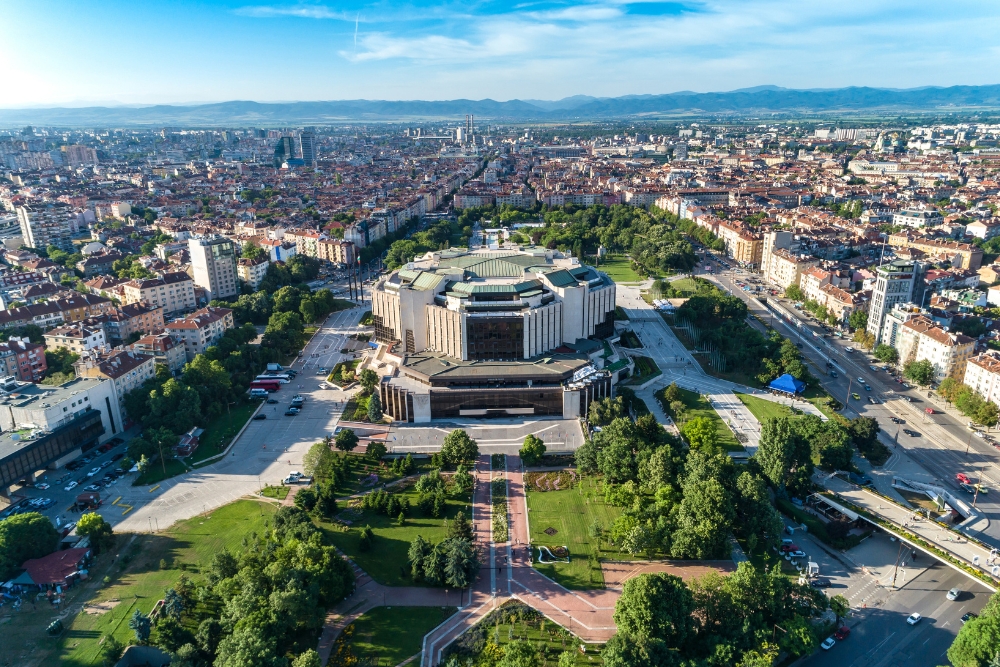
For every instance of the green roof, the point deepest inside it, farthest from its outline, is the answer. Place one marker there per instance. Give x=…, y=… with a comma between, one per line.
x=561, y=278
x=427, y=281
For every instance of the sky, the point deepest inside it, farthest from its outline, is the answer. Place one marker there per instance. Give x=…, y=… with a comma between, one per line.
x=113, y=52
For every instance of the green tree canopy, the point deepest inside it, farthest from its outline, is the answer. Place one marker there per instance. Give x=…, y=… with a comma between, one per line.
x=458, y=447
x=23, y=537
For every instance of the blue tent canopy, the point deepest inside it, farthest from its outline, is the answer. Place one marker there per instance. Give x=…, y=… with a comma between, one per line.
x=787, y=384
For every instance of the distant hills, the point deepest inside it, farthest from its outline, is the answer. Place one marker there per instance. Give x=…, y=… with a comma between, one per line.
x=758, y=99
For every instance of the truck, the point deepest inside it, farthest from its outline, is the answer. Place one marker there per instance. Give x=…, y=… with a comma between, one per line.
x=90, y=500
x=274, y=367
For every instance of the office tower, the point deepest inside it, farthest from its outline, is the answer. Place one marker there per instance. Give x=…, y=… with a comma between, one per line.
x=49, y=225
x=893, y=284
x=214, y=262
x=307, y=143
x=284, y=150
x=680, y=151
x=80, y=155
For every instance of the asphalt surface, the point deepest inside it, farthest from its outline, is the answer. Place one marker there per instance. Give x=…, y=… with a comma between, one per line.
x=942, y=440
x=884, y=639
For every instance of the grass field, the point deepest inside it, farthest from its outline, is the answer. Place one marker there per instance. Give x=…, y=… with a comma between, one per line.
x=763, y=409
x=386, y=561
x=220, y=432
x=276, y=492
x=685, y=285
x=136, y=582
x=549, y=638
x=390, y=635
x=570, y=513
x=696, y=405
x=620, y=270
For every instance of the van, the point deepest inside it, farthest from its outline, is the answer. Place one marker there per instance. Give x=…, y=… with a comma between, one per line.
x=258, y=393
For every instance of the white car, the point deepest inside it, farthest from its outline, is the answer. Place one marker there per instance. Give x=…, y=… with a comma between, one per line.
x=798, y=554
x=94, y=472
x=913, y=618
x=953, y=594
x=828, y=643
x=42, y=486
x=70, y=486
x=849, y=349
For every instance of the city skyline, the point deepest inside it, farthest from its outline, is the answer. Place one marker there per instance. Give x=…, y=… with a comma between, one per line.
x=114, y=53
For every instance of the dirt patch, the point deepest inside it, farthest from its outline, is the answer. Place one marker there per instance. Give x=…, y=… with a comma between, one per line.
x=101, y=607
x=617, y=572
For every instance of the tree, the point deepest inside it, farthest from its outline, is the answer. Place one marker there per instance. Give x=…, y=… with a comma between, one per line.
x=374, y=409
x=140, y=625
x=111, y=651
x=308, y=659
x=520, y=653
x=774, y=451
x=99, y=531
x=368, y=379
x=886, y=353
x=463, y=480
x=978, y=640
x=655, y=605
x=987, y=414
x=627, y=651
x=921, y=372
x=701, y=434
x=418, y=551
x=840, y=606
x=864, y=432
x=365, y=539
x=305, y=499
x=345, y=440
x=376, y=450
x=23, y=537
x=795, y=293
x=460, y=562
x=532, y=450
x=173, y=604
x=460, y=528
x=458, y=447
x=704, y=519
x=606, y=410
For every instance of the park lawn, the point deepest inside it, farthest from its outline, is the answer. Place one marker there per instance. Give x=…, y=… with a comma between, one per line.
x=619, y=269
x=571, y=512
x=763, y=409
x=276, y=492
x=696, y=405
x=394, y=634
x=362, y=467
x=221, y=432
x=386, y=562
x=136, y=579
x=685, y=285
x=550, y=638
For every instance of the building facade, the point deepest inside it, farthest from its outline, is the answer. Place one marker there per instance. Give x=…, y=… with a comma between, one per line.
x=894, y=284
x=214, y=262
x=201, y=329
x=174, y=292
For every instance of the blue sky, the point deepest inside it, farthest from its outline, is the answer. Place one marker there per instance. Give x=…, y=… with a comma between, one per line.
x=153, y=51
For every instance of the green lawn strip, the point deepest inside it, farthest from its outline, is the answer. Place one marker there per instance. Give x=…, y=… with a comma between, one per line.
x=685, y=285
x=764, y=409
x=159, y=471
x=571, y=512
x=192, y=543
x=276, y=492
x=393, y=634
x=696, y=405
x=386, y=561
x=222, y=430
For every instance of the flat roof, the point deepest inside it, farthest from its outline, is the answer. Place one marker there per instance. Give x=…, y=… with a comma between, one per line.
x=45, y=395
x=437, y=366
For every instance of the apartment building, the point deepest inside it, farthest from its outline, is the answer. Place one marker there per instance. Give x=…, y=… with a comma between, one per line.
x=894, y=284
x=76, y=338
x=213, y=260
x=23, y=359
x=982, y=373
x=42, y=226
x=252, y=271
x=961, y=255
x=742, y=245
x=174, y=292
x=785, y=269
x=921, y=339
x=164, y=350
x=201, y=329
x=132, y=318
x=127, y=370
x=336, y=251
x=916, y=218
x=54, y=313
x=306, y=241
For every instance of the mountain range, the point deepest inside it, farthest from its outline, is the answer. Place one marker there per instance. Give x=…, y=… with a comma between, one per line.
x=758, y=99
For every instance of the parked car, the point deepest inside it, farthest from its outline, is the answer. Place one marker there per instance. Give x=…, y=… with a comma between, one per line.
x=843, y=633
x=833, y=374
x=118, y=457
x=828, y=643
x=789, y=547
x=913, y=618
x=820, y=582
x=797, y=554
x=968, y=616
x=92, y=487
x=272, y=401
x=94, y=471
x=41, y=486
x=259, y=416
x=291, y=412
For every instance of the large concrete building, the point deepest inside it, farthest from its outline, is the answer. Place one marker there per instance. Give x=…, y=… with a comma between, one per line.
x=214, y=262
x=894, y=284
x=493, y=333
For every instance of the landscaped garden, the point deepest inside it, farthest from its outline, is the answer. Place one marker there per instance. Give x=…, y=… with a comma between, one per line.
x=762, y=408
x=387, y=635
x=563, y=518
x=684, y=406
x=518, y=635
x=620, y=269
x=645, y=370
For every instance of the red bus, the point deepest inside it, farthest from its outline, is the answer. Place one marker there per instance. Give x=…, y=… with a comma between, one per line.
x=267, y=385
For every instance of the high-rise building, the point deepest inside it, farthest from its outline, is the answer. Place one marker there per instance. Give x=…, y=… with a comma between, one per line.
x=284, y=150
x=214, y=262
x=49, y=225
x=80, y=155
x=893, y=284
x=307, y=144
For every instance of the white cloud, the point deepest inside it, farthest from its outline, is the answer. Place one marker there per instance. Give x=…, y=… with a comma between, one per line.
x=297, y=11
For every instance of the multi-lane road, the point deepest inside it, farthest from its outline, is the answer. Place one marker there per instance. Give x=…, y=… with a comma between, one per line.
x=939, y=449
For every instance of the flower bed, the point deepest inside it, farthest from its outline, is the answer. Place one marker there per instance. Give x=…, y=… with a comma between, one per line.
x=551, y=481
x=556, y=555
x=498, y=499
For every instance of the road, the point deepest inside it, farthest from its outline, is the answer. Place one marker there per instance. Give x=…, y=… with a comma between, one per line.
x=939, y=449
x=884, y=639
